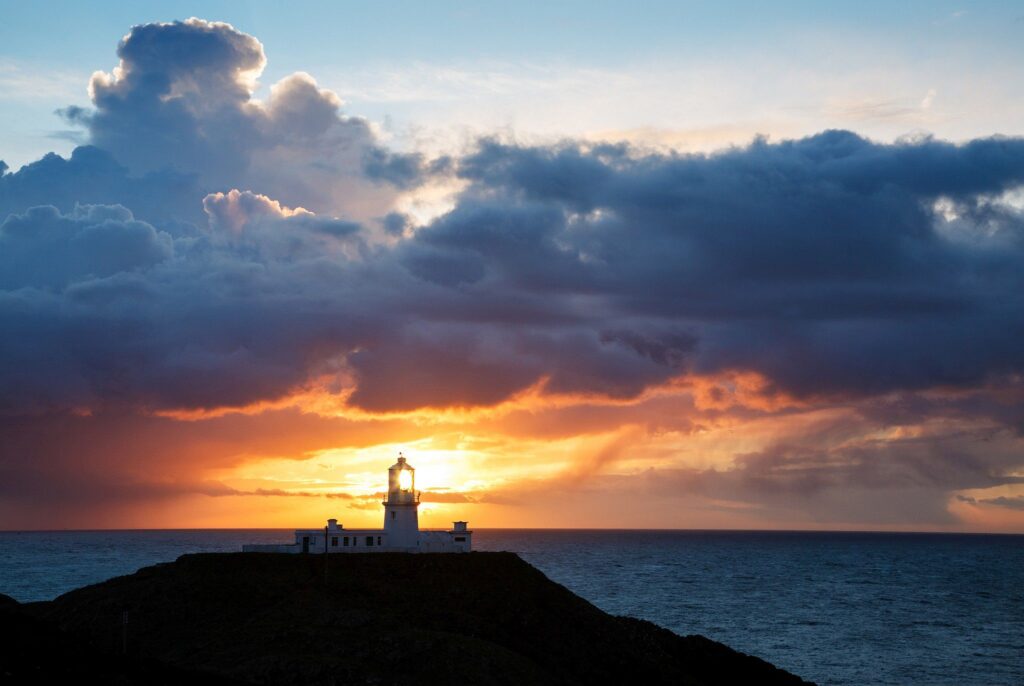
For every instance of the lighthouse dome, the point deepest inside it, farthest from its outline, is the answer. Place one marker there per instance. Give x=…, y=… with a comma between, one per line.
x=401, y=464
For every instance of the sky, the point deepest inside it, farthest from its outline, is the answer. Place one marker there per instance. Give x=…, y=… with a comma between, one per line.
x=602, y=265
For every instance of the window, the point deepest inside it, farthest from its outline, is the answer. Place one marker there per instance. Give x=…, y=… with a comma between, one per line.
x=345, y=542
x=460, y=539
x=334, y=541
x=378, y=540
x=393, y=513
x=369, y=540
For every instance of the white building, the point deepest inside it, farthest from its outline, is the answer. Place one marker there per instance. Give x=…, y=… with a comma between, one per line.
x=401, y=532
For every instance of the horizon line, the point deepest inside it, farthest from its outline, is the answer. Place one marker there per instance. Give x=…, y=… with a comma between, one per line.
x=557, y=529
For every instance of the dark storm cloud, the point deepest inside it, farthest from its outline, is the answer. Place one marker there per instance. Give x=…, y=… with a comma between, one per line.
x=822, y=263
x=151, y=321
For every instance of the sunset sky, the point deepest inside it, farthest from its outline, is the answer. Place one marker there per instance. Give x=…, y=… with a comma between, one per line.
x=587, y=264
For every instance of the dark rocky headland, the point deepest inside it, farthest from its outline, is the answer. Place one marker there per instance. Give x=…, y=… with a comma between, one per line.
x=250, y=618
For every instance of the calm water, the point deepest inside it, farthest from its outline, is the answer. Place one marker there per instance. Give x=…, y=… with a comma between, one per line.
x=834, y=608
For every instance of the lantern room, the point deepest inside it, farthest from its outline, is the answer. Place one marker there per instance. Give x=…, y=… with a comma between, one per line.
x=401, y=483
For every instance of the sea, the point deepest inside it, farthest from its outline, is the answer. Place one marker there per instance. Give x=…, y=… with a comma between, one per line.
x=835, y=608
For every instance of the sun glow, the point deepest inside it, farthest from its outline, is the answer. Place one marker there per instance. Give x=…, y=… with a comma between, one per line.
x=405, y=479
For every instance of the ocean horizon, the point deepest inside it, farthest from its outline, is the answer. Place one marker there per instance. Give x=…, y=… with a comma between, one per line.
x=839, y=608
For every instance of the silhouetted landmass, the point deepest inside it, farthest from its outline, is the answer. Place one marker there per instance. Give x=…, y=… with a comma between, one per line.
x=481, y=618
x=36, y=651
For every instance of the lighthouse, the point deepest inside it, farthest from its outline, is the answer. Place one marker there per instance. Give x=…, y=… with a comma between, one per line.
x=401, y=532
x=401, y=508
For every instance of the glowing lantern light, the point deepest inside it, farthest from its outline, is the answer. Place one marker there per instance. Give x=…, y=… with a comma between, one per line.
x=405, y=479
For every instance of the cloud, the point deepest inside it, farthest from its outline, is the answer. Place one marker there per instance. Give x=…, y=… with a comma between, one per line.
x=101, y=309
x=92, y=176
x=82, y=462
x=234, y=209
x=181, y=99
x=862, y=463
x=268, y=228
x=46, y=249
x=819, y=263
x=210, y=251
x=1011, y=502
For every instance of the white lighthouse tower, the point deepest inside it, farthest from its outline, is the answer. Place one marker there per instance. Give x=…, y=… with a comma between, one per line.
x=401, y=509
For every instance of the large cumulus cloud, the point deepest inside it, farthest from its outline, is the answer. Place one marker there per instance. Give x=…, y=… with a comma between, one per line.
x=211, y=250
x=182, y=98
x=179, y=109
